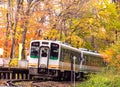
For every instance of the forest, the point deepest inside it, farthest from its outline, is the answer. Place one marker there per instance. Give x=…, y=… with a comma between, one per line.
x=90, y=24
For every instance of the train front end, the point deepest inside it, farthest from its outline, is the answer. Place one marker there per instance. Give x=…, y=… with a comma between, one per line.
x=47, y=55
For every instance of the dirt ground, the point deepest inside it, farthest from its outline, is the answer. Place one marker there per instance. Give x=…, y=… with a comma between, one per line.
x=2, y=83
x=43, y=84
x=54, y=84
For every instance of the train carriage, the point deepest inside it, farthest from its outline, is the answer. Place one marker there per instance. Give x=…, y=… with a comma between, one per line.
x=55, y=59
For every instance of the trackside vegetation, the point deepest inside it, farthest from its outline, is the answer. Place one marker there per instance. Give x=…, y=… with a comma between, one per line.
x=110, y=77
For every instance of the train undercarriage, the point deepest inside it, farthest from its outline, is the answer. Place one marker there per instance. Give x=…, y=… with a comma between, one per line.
x=55, y=74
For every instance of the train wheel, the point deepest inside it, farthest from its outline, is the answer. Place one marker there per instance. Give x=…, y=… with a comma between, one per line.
x=60, y=76
x=77, y=77
x=81, y=76
x=67, y=76
x=31, y=77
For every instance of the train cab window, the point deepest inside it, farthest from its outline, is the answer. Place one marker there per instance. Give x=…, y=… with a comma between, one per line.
x=34, y=50
x=44, y=52
x=54, y=51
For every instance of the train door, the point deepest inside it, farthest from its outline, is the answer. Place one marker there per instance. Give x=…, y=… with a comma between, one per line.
x=43, y=60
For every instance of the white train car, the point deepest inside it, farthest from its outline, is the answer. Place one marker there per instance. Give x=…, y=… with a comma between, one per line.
x=91, y=61
x=55, y=59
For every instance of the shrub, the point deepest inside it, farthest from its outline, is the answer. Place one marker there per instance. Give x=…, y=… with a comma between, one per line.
x=14, y=62
x=110, y=78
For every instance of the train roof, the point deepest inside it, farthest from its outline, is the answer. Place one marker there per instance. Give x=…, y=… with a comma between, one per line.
x=70, y=47
x=46, y=41
x=89, y=52
x=67, y=46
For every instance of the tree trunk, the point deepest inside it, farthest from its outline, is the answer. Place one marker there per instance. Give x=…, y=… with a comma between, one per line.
x=14, y=29
x=9, y=25
x=25, y=30
x=19, y=5
x=23, y=39
x=6, y=41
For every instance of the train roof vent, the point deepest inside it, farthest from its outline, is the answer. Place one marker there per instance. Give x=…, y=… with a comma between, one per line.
x=83, y=49
x=58, y=41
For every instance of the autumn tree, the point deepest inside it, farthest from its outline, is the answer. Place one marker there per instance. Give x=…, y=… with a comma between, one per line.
x=81, y=23
x=14, y=26
x=97, y=24
x=61, y=14
x=33, y=18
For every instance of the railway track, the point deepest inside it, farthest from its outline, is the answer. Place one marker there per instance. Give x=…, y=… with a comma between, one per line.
x=19, y=83
x=38, y=83
x=16, y=77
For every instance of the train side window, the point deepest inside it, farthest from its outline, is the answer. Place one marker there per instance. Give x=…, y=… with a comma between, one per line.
x=95, y=61
x=62, y=55
x=67, y=56
x=89, y=62
x=76, y=54
x=85, y=60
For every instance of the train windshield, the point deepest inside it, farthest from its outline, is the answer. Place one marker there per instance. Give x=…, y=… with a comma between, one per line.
x=54, y=51
x=44, y=51
x=34, y=50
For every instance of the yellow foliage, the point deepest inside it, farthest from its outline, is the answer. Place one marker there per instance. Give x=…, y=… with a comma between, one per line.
x=53, y=34
x=14, y=62
x=75, y=41
x=102, y=33
x=110, y=52
x=108, y=55
x=118, y=57
x=112, y=55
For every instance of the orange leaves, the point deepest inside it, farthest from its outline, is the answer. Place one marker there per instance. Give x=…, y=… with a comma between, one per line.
x=118, y=57
x=107, y=55
x=112, y=55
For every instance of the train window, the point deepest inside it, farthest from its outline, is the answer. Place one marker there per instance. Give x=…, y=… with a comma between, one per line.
x=54, y=51
x=67, y=56
x=62, y=54
x=77, y=55
x=85, y=60
x=77, y=60
x=34, y=53
x=44, y=52
x=35, y=44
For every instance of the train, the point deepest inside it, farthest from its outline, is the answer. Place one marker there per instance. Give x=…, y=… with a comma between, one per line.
x=59, y=60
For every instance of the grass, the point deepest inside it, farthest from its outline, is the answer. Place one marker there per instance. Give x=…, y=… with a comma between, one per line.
x=107, y=78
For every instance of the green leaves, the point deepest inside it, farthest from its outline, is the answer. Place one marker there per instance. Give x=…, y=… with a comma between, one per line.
x=100, y=21
x=104, y=79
